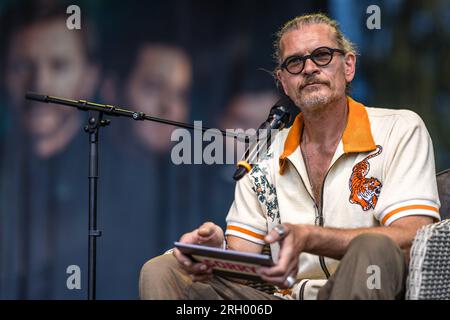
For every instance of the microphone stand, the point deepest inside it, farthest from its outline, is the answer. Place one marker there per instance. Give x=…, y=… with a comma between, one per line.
x=95, y=122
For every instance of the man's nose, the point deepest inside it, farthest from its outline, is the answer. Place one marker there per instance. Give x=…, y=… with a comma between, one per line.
x=41, y=81
x=310, y=67
x=168, y=102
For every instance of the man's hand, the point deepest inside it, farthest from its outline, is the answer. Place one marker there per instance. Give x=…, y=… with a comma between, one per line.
x=329, y=242
x=292, y=239
x=207, y=234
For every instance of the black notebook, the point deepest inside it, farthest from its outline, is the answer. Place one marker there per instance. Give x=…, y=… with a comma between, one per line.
x=229, y=263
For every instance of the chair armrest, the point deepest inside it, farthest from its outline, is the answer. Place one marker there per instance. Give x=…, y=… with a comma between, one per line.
x=429, y=267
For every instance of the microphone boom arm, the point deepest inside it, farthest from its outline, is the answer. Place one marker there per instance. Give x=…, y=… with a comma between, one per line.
x=121, y=112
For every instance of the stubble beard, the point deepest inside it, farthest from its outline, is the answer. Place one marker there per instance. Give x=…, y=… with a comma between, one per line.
x=315, y=101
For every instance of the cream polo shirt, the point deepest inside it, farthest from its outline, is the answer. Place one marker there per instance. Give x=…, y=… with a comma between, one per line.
x=383, y=169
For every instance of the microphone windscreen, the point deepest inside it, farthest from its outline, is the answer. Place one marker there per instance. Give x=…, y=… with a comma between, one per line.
x=36, y=97
x=290, y=106
x=239, y=173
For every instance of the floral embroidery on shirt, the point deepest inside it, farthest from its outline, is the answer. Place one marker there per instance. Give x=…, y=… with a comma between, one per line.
x=265, y=191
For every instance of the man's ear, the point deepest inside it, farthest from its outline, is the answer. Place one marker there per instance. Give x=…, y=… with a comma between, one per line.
x=350, y=66
x=281, y=80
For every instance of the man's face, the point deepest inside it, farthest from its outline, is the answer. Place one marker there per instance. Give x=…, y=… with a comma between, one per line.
x=315, y=86
x=47, y=58
x=246, y=111
x=158, y=86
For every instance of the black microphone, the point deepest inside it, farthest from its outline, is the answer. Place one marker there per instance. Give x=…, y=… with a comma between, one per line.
x=279, y=117
x=36, y=97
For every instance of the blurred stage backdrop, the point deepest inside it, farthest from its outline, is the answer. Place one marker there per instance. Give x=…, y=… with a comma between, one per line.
x=182, y=60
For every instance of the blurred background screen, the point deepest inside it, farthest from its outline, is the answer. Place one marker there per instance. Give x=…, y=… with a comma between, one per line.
x=183, y=60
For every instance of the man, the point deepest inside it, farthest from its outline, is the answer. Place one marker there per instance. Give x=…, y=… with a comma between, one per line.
x=42, y=55
x=158, y=84
x=353, y=184
x=246, y=111
x=42, y=187
x=155, y=80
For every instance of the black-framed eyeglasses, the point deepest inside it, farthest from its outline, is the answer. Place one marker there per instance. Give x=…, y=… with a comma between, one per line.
x=321, y=56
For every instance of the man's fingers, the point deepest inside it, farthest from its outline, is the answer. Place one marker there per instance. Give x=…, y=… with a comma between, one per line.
x=184, y=260
x=280, y=269
x=273, y=280
x=206, y=230
x=276, y=271
x=278, y=233
x=281, y=281
x=278, y=281
x=210, y=234
x=200, y=268
x=189, y=265
x=286, y=262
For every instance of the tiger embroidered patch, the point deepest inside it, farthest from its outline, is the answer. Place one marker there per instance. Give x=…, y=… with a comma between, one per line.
x=364, y=191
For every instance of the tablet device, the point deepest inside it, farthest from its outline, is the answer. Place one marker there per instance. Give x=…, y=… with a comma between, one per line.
x=230, y=263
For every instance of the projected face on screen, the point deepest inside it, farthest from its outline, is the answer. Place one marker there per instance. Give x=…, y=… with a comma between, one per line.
x=158, y=85
x=48, y=58
x=246, y=110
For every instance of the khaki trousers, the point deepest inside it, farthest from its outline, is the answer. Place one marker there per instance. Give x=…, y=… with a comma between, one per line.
x=373, y=267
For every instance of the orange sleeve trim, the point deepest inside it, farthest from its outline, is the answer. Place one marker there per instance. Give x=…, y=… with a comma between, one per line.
x=247, y=232
x=413, y=207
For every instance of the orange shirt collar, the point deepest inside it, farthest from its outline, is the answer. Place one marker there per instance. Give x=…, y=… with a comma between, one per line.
x=357, y=135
